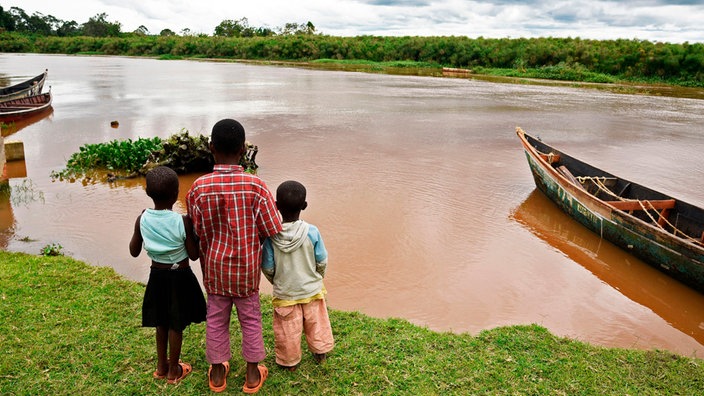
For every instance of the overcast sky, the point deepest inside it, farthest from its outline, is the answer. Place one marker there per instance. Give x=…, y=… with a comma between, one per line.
x=653, y=20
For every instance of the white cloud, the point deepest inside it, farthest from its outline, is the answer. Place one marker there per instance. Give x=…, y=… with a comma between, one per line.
x=654, y=20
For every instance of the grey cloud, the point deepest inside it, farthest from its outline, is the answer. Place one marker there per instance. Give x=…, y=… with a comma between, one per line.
x=397, y=3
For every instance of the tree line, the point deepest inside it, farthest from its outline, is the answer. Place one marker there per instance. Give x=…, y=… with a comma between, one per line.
x=17, y=20
x=623, y=59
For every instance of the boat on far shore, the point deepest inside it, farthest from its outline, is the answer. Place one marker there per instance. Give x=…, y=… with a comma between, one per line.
x=18, y=109
x=664, y=232
x=30, y=87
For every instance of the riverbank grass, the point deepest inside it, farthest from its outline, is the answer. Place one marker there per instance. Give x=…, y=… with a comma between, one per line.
x=67, y=328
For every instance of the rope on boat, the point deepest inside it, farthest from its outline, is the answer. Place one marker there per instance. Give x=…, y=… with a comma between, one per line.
x=653, y=219
x=601, y=186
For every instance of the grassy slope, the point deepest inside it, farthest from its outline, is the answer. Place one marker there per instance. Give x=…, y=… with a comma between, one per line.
x=70, y=328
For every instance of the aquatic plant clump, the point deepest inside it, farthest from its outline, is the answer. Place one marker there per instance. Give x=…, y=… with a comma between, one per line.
x=52, y=249
x=186, y=153
x=181, y=152
x=121, y=159
x=125, y=157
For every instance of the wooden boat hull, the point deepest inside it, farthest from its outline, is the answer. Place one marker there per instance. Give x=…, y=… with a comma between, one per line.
x=680, y=257
x=30, y=87
x=19, y=109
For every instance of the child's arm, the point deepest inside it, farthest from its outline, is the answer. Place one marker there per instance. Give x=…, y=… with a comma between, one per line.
x=136, y=241
x=268, y=265
x=191, y=242
x=320, y=267
x=321, y=253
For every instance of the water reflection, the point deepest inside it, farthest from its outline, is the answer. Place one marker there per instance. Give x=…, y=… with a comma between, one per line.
x=16, y=126
x=7, y=217
x=677, y=304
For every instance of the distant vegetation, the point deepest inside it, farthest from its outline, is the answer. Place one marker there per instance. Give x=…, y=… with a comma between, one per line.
x=553, y=58
x=17, y=20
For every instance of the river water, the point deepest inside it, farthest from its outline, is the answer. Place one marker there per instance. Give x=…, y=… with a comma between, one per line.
x=419, y=186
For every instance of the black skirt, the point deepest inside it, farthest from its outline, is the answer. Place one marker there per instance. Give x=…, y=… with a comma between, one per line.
x=173, y=299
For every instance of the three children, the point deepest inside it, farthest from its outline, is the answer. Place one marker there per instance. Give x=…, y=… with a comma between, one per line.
x=230, y=213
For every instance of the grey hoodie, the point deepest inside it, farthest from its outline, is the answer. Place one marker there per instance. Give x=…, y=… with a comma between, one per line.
x=297, y=274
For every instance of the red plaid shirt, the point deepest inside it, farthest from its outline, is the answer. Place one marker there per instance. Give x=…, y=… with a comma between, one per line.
x=231, y=211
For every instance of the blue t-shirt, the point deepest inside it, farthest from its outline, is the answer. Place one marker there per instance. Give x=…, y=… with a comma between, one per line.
x=164, y=235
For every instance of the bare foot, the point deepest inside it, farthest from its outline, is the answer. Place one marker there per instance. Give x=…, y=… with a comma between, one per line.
x=174, y=372
x=252, y=378
x=319, y=357
x=217, y=374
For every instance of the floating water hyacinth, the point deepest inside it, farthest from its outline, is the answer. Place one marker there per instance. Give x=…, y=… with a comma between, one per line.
x=121, y=159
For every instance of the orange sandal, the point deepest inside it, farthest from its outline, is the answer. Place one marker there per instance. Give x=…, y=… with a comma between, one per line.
x=218, y=389
x=185, y=370
x=263, y=372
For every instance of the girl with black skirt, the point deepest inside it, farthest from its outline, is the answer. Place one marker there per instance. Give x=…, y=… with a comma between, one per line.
x=173, y=298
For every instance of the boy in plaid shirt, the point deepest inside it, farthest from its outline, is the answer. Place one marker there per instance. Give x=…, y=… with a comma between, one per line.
x=232, y=212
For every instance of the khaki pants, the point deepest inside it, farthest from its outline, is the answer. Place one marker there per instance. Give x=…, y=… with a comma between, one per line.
x=292, y=321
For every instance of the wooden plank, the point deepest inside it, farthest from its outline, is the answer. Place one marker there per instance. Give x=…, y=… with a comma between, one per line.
x=566, y=173
x=662, y=220
x=635, y=205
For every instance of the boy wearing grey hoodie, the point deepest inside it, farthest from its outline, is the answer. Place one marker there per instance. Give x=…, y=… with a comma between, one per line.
x=294, y=261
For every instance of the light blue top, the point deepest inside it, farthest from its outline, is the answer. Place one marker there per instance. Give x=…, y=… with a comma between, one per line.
x=164, y=235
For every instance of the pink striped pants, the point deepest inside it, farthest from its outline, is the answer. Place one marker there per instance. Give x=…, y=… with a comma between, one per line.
x=217, y=329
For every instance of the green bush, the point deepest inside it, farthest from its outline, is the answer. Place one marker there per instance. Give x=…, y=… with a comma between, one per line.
x=181, y=152
x=117, y=159
x=121, y=156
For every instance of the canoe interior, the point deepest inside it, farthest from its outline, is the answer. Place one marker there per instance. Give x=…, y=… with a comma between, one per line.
x=648, y=205
x=24, y=86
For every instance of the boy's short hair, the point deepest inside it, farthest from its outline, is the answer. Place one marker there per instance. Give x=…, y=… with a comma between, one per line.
x=227, y=136
x=162, y=183
x=291, y=196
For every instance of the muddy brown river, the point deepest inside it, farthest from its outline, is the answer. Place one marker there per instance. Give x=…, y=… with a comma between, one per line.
x=419, y=186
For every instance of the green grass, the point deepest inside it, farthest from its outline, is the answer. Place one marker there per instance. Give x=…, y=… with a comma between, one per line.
x=359, y=65
x=67, y=328
x=399, y=63
x=170, y=57
x=558, y=72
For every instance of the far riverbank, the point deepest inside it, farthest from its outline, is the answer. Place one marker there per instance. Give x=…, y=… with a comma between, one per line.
x=489, y=75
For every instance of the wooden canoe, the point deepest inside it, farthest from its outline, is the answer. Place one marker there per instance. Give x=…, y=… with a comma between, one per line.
x=30, y=87
x=665, y=232
x=18, y=109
